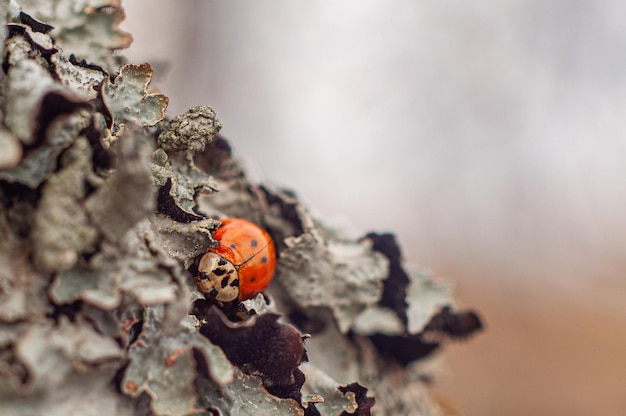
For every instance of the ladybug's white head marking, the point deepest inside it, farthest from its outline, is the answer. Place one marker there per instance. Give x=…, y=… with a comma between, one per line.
x=218, y=277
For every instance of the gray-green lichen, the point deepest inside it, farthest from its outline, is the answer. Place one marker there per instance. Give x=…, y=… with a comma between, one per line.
x=245, y=396
x=186, y=181
x=426, y=295
x=22, y=286
x=128, y=99
x=178, y=141
x=38, y=164
x=130, y=186
x=57, y=360
x=164, y=367
x=89, y=29
x=345, y=276
x=62, y=229
x=105, y=207
x=80, y=230
x=11, y=149
x=324, y=391
x=191, y=131
x=28, y=85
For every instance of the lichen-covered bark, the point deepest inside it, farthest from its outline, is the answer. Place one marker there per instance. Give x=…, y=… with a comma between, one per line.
x=105, y=206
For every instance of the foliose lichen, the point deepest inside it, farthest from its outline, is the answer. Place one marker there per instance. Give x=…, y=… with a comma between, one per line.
x=105, y=206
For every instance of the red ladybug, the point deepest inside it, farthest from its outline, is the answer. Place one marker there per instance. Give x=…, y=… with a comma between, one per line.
x=241, y=266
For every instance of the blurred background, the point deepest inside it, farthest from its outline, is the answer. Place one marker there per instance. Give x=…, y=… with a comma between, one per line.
x=488, y=136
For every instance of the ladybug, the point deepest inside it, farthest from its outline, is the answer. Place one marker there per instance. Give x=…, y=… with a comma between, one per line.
x=243, y=264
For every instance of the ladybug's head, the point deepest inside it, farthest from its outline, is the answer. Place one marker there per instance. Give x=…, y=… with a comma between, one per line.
x=218, y=278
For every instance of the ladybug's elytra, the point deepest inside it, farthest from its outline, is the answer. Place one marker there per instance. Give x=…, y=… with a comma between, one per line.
x=243, y=264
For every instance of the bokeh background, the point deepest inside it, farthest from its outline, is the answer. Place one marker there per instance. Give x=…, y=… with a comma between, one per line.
x=489, y=136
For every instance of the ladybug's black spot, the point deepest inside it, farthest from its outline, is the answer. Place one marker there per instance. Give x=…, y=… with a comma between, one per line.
x=234, y=283
x=222, y=261
x=264, y=259
x=253, y=243
x=204, y=276
x=213, y=292
x=224, y=282
x=231, y=271
x=233, y=245
x=253, y=279
x=219, y=271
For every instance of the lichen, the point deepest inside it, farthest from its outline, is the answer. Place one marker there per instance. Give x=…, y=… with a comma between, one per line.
x=245, y=396
x=106, y=206
x=174, y=169
x=89, y=29
x=62, y=229
x=345, y=276
x=22, y=287
x=191, y=131
x=128, y=99
x=164, y=367
x=323, y=390
x=11, y=149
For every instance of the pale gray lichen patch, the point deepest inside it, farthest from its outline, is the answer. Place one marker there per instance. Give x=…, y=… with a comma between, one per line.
x=332, y=401
x=176, y=309
x=28, y=85
x=127, y=196
x=82, y=80
x=52, y=354
x=343, y=275
x=77, y=284
x=232, y=201
x=259, y=304
x=22, y=288
x=190, y=131
x=179, y=141
x=39, y=163
x=27, y=47
x=164, y=367
x=87, y=28
x=129, y=100
x=187, y=181
x=378, y=320
x=69, y=369
x=402, y=392
x=183, y=241
x=11, y=149
x=331, y=352
x=130, y=269
x=425, y=296
x=42, y=111
x=86, y=394
x=5, y=14
x=245, y=396
x=137, y=267
x=62, y=229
